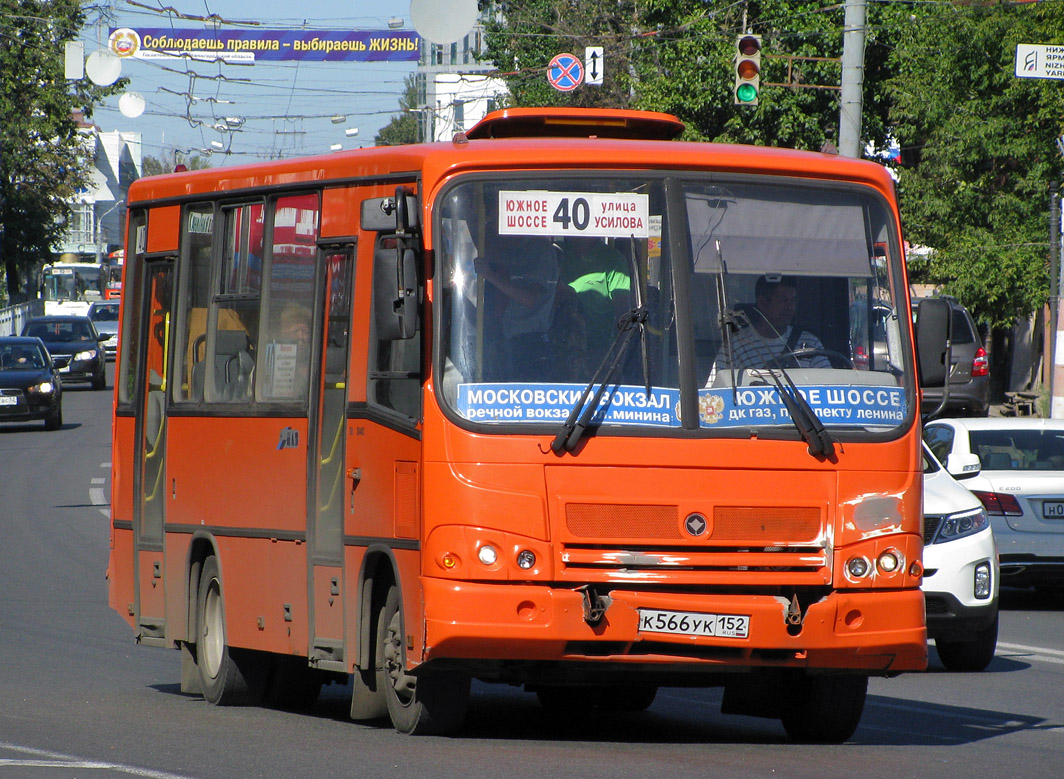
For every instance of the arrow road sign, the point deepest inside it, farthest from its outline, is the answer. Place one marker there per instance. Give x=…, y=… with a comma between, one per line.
x=565, y=72
x=593, y=65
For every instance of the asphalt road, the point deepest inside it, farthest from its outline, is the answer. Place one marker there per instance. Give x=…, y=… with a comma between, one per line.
x=78, y=698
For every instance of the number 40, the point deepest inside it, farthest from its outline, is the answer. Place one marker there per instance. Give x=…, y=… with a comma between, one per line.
x=580, y=217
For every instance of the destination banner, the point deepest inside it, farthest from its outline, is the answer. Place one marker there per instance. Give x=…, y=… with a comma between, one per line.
x=254, y=45
x=850, y=405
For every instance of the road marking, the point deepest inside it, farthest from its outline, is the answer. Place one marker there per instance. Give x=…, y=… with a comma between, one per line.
x=98, y=495
x=1042, y=653
x=45, y=759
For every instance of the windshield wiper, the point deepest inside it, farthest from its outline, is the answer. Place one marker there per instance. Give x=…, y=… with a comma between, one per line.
x=810, y=427
x=580, y=415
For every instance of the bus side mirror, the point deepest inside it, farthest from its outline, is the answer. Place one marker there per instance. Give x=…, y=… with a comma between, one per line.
x=933, y=341
x=934, y=348
x=395, y=299
x=397, y=214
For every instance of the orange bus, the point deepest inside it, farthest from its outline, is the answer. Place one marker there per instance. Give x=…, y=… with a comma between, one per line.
x=564, y=403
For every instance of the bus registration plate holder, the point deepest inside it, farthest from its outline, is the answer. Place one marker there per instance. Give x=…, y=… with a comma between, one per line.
x=686, y=623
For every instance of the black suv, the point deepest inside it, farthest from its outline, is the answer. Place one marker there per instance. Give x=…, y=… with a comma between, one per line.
x=969, y=376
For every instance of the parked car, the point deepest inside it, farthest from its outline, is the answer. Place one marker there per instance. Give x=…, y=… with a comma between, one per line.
x=960, y=572
x=104, y=315
x=29, y=383
x=1015, y=466
x=74, y=345
x=969, y=377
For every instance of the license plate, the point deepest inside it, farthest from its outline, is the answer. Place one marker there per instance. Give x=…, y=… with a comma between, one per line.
x=1053, y=509
x=8, y=400
x=686, y=623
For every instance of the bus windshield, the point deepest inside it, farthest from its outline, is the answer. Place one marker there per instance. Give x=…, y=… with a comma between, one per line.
x=710, y=294
x=72, y=281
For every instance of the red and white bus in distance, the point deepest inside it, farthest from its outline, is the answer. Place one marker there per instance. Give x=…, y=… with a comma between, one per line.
x=563, y=403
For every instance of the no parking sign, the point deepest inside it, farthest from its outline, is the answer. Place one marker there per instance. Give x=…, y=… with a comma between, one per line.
x=565, y=72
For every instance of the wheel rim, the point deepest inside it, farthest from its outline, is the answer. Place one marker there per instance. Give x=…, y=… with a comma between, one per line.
x=212, y=634
x=402, y=683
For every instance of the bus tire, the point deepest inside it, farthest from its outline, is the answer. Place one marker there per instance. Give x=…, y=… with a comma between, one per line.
x=431, y=702
x=823, y=709
x=228, y=676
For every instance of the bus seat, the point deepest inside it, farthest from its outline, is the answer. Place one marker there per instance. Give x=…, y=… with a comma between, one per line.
x=233, y=367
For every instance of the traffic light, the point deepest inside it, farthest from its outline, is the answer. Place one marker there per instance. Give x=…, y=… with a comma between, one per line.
x=747, y=69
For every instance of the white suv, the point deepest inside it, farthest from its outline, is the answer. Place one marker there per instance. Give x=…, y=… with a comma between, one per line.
x=960, y=571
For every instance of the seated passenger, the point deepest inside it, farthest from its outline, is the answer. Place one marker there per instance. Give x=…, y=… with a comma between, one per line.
x=524, y=271
x=770, y=338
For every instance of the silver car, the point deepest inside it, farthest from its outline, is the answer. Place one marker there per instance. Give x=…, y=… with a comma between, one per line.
x=104, y=314
x=1019, y=477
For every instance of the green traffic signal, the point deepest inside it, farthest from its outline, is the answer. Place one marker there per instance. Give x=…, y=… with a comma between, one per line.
x=747, y=69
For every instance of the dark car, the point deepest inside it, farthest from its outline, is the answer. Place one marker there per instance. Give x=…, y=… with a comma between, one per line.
x=74, y=345
x=104, y=315
x=969, y=377
x=29, y=383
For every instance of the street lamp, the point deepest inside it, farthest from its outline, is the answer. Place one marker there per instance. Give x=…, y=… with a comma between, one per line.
x=99, y=232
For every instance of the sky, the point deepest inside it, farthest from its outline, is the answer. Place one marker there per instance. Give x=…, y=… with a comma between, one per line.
x=287, y=108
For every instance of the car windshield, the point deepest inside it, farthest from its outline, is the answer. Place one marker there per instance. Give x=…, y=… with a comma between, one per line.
x=21, y=357
x=104, y=314
x=708, y=294
x=1019, y=450
x=67, y=330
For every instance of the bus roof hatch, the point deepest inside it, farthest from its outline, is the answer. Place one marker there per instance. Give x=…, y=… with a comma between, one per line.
x=576, y=123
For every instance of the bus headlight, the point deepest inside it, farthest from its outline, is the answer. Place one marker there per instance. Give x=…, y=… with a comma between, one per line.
x=889, y=561
x=526, y=559
x=487, y=554
x=858, y=567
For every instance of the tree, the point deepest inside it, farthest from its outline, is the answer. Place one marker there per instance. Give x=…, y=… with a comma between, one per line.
x=153, y=166
x=979, y=145
x=43, y=159
x=676, y=56
x=402, y=128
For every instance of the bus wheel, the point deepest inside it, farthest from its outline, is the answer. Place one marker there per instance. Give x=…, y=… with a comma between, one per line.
x=228, y=677
x=823, y=709
x=431, y=702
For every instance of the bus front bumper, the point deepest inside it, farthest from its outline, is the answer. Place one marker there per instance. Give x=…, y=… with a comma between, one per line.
x=878, y=632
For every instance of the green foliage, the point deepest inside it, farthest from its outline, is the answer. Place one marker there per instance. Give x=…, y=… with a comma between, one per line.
x=402, y=128
x=43, y=158
x=980, y=149
x=978, y=142
x=153, y=166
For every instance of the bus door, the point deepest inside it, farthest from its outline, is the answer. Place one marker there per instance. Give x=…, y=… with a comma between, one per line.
x=150, y=456
x=328, y=433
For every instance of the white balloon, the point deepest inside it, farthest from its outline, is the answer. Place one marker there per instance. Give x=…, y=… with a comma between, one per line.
x=131, y=104
x=443, y=21
x=103, y=67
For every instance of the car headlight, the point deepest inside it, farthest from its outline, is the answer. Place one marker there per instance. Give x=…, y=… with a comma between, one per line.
x=44, y=388
x=88, y=354
x=965, y=523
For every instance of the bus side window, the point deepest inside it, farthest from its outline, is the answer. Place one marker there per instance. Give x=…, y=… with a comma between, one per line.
x=395, y=366
x=236, y=315
x=191, y=345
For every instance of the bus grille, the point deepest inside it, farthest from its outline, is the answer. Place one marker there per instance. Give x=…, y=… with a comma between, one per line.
x=648, y=543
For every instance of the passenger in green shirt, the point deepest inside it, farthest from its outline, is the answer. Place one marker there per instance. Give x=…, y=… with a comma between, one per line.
x=601, y=279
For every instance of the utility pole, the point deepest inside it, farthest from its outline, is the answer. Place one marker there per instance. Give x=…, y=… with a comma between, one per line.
x=852, y=102
x=1056, y=343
